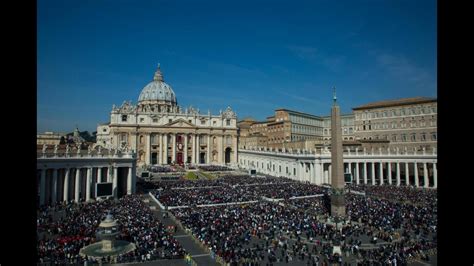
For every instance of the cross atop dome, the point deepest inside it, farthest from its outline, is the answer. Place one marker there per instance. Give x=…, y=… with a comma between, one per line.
x=158, y=75
x=334, y=95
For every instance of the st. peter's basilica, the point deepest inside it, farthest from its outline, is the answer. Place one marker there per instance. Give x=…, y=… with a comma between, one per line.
x=162, y=132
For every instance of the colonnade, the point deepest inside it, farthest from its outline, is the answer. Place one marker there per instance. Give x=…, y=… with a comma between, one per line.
x=78, y=183
x=393, y=169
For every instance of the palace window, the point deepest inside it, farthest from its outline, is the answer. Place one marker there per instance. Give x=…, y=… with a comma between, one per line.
x=404, y=137
x=423, y=136
x=433, y=136
x=142, y=119
x=124, y=118
x=227, y=122
x=155, y=120
x=394, y=138
x=170, y=120
x=413, y=137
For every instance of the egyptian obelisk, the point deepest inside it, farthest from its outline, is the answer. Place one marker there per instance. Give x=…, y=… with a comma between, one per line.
x=338, y=205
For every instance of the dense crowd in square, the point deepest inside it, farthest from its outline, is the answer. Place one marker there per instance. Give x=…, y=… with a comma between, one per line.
x=59, y=241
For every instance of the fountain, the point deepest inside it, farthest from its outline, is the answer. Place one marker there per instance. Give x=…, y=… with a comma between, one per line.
x=108, y=246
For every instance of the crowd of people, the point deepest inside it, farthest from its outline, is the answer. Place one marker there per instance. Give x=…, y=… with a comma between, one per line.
x=387, y=225
x=62, y=239
x=231, y=189
x=214, y=168
x=398, y=193
x=375, y=230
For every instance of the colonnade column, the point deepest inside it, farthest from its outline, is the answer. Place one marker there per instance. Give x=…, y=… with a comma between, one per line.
x=425, y=175
x=76, y=185
x=99, y=174
x=435, y=176
x=148, y=153
x=173, y=148
x=407, y=174
x=389, y=170
x=398, y=174
x=357, y=173
x=209, y=150
x=417, y=182
x=43, y=187
x=129, y=181
x=329, y=173
x=66, y=186
x=88, y=184
x=311, y=175
x=372, y=171
x=365, y=173
x=381, y=173
x=114, y=181
x=55, y=185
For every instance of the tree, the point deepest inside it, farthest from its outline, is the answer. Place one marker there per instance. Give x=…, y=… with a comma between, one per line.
x=62, y=140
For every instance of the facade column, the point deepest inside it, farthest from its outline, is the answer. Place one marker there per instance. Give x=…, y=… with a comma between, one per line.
x=365, y=173
x=193, y=149
x=114, y=181
x=357, y=173
x=134, y=177
x=372, y=168
x=425, y=175
x=173, y=148
x=407, y=174
x=209, y=150
x=185, y=155
x=389, y=170
x=234, y=148
x=381, y=173
x=311, y=175
x=88, y=184
x=398, y=174
x=76, y=185
x=147, y=150
x=222, y=150
x=43, y=187
x=55, y=185
x=198, y=148
x=435, y=176
x=160, y=150
x=417, y=182
x=66, y=186
x=129, y=181
x=165, y=149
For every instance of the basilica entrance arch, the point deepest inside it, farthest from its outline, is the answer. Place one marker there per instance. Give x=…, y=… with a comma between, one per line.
x=228, y=152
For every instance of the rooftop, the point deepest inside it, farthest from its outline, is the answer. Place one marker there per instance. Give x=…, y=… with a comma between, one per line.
x=396, y=102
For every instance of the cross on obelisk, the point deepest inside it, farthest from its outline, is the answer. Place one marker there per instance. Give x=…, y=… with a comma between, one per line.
x=338, y=205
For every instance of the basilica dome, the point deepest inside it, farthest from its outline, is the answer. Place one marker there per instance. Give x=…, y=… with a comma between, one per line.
x=157, y=91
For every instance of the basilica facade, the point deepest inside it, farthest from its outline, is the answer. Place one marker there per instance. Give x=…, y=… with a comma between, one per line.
x=162, y=132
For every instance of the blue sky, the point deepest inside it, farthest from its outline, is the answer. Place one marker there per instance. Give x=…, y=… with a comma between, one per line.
x=255, y=56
